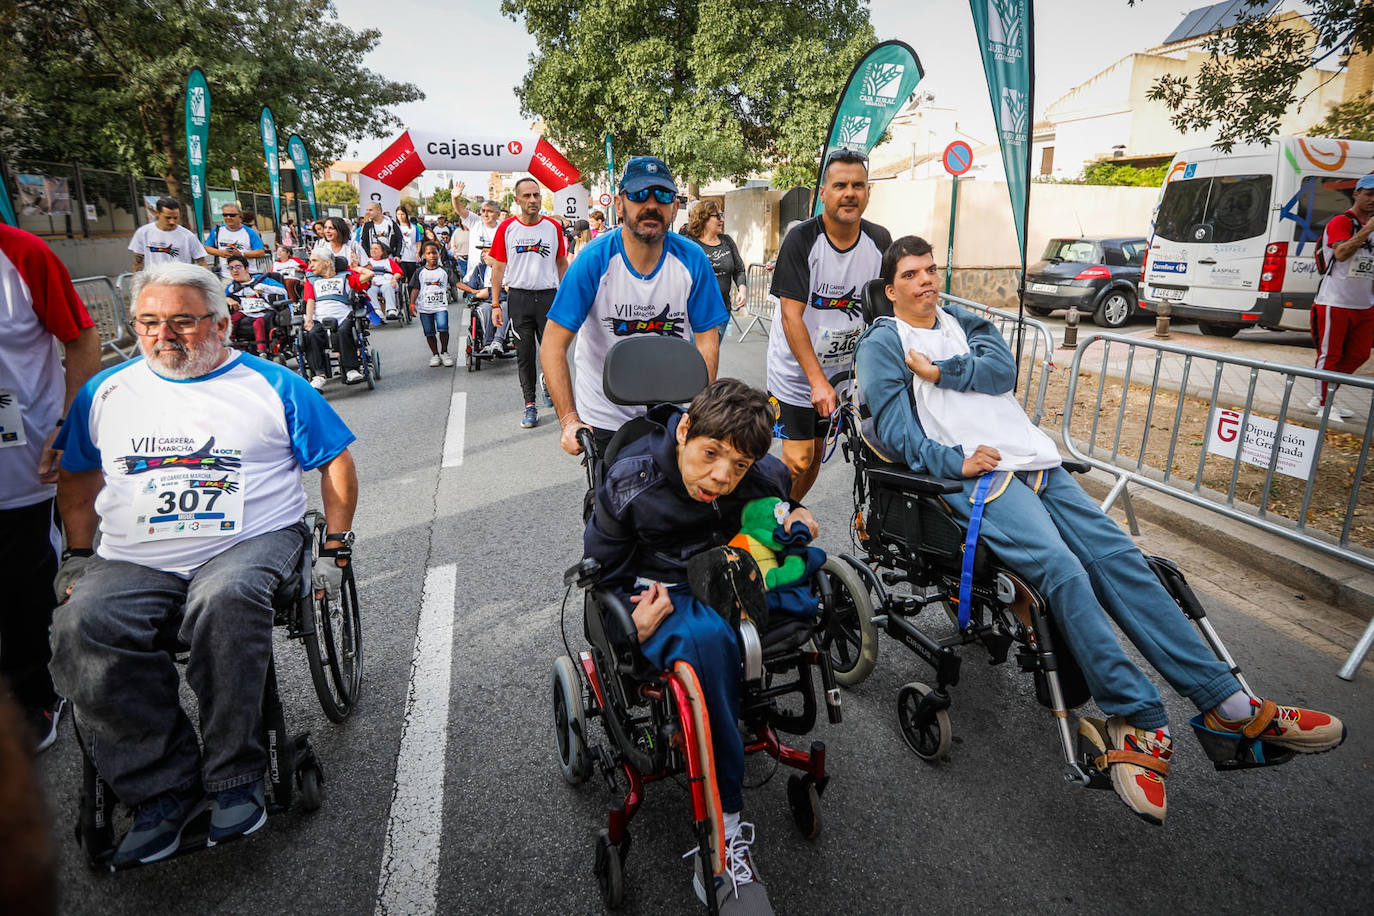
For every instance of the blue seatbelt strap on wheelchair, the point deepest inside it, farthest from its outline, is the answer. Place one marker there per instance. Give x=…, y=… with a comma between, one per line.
x=975, y=521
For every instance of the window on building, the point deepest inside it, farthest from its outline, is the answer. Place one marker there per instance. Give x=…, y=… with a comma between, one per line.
x=1046, y=160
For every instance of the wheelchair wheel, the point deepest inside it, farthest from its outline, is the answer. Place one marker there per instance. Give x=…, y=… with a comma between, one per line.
x=610, y=870
x=311, y=783
x=570, y=722
x=930, y=740
x=333, y=649
x=376, y=365
x=805, y=802
x=851, y=639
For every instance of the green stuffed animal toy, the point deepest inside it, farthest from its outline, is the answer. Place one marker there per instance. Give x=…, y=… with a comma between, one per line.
x=758, y=522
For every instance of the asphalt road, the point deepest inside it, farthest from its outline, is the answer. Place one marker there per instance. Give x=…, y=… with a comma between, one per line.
x=483, y=823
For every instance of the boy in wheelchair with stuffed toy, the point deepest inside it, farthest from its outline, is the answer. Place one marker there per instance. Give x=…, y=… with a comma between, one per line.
x=938, y=381
x=666, y=505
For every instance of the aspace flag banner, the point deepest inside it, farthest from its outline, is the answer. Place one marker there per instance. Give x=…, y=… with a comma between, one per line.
x=295, y=146
x=6, y=206
x=881, y=83
x=610, y=166
x=269, y=149
x=197, y=141
x=1005, y=30
x=414, y=151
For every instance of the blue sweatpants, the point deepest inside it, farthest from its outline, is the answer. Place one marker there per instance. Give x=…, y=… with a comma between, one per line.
x=1088, y=570
x=697, y=635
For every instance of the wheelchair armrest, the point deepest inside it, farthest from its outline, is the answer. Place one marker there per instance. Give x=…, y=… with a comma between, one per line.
x=922, y=484
x=584, y=574
x=621, y=635
x=1075, y=467
x=329, y=324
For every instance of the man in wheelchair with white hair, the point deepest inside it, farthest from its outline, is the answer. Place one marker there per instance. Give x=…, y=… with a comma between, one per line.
x=938, y=381
x=189, y=462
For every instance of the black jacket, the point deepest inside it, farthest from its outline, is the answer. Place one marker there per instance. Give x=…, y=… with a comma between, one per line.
x=390, y=237
x=653, y=525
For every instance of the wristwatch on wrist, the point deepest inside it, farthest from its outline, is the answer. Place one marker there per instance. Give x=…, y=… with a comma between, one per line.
x=344, y=537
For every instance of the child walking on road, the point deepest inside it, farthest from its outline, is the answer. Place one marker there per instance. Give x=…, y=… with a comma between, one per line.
x=431, y=292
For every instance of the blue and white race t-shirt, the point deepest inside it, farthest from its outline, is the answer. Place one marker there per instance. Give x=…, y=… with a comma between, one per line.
x=257, y=295
x=194, y=466
x=679, y=298
x=831, y=282
x=244, y=238
x=433, y=290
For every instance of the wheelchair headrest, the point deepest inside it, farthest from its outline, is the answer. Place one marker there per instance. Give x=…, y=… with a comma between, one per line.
x=875, y=301
x=653, y=369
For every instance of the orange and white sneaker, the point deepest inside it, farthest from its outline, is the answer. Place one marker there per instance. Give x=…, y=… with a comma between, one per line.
x=1306, y=731
x=1138, y=762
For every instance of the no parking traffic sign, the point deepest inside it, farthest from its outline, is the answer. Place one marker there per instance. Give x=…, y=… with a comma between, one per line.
x=958, y=158
x=605, y=200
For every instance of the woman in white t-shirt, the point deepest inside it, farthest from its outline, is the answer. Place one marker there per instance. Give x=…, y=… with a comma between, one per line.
x=409, y=255
x=338, y=242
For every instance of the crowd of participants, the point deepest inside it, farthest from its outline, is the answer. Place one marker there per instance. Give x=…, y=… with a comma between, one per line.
x=550, y=284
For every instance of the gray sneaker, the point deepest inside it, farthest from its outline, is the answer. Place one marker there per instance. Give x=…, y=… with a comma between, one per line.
x=158, y=824
x=740, y=891
x=237, y=812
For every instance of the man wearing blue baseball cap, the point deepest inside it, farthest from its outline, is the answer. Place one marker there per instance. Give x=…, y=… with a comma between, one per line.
x=638, y=278
x=1342, y=317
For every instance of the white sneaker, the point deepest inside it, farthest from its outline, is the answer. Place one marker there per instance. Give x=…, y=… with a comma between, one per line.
x=491, y=350
x=740, y=891
x=446, y=359
x=1337, y=413
x=434, y=361
x=317, y=383
x=353, y=376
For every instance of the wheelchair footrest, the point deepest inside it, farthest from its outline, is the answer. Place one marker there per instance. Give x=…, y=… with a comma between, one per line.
x=1092, y=752
x=1229, y=751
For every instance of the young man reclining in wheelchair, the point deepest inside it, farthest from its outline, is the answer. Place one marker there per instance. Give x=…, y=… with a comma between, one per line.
x=189, y=461
x=668, y=496
x=938, y=381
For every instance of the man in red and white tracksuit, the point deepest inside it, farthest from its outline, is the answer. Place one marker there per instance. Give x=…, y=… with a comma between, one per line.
x=1342, y=317
x=531, y=255
x=39, y=309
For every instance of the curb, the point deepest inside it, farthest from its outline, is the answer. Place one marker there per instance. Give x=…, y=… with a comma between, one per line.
x=1339, y=584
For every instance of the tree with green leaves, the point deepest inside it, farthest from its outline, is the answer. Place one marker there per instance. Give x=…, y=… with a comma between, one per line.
x=104, y=82
x=1251, y=77
x=334, y=191
x=717, y=88
x=1353, y=120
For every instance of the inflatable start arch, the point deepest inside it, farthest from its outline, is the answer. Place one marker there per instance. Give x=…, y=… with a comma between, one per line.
x=382, y=179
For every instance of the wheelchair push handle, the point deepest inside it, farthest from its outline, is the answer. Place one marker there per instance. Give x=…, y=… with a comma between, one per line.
x=588, y=443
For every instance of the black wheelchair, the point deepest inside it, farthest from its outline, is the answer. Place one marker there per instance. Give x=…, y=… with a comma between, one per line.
x=369, y=359
x=476, y=337
x=330, y=628
x=909, y=537
x=282, y=346
x=654, y=721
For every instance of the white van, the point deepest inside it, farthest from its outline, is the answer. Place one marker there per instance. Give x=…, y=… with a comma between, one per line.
x=1235, y=234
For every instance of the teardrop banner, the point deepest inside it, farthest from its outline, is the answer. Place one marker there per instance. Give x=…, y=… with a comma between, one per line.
x=414, y=151
x=197, y=141
x=295, y=146
x=882, y=81
x=273, y=156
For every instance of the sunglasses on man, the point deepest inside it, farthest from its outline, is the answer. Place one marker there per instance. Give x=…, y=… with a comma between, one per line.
x=662, y=195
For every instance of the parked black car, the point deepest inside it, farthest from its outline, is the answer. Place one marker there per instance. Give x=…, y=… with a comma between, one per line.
x=1098, y=276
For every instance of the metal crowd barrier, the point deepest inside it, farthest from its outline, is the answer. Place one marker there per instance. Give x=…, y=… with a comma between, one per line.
x=1037, y=352
x=1138, y=422
x=105, y=301
x=758, y=305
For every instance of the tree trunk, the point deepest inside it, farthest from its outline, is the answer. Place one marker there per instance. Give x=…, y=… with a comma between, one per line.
x=168, y=147
x=693, y=189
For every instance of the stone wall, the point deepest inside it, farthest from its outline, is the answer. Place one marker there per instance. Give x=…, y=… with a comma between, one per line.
x=992, y=286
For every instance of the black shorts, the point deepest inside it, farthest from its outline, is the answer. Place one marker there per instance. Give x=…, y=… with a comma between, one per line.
x=792, y=421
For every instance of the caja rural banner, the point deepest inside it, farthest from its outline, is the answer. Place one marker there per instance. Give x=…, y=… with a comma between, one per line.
x=273, y=156
x=295, y=146
x=197, y=141
x=1005, y=29
x=881, y=83
x=414, y=151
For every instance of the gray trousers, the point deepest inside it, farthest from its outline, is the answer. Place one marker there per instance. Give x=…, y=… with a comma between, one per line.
x=124, y=688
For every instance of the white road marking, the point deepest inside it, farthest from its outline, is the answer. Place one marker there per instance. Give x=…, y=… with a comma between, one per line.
x=409, y=877
x=457, y=430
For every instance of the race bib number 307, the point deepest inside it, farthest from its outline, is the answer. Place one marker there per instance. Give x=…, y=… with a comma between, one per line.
x=187, y=503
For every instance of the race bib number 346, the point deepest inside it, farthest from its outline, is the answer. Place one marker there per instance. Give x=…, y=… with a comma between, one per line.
x=187, y=503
